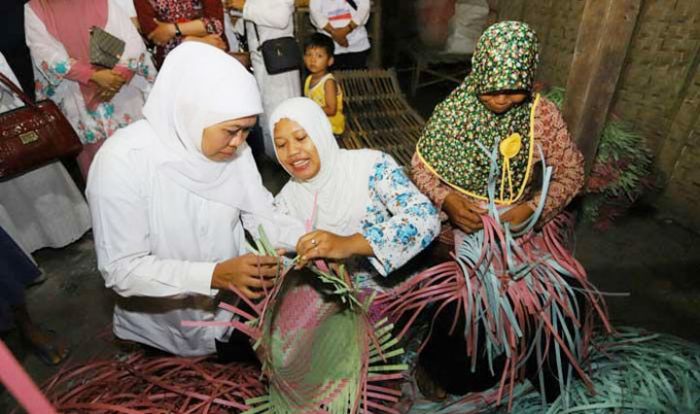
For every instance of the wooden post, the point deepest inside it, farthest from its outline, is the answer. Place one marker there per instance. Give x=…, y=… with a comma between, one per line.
x=375, y=53
x=604, y=36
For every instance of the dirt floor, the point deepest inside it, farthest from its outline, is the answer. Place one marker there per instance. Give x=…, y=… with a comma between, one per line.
x=653, y=260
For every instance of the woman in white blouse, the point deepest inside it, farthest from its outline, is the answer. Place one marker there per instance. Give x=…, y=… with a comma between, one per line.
x=170, y=197
x=273, y=19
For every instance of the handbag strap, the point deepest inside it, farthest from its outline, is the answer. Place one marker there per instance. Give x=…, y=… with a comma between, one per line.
x=257, y=35
x=17, y=91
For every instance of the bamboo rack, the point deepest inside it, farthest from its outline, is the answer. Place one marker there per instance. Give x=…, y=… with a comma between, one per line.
x=377, y=114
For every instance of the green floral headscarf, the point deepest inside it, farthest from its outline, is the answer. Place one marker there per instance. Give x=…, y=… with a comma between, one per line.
x=505, y=58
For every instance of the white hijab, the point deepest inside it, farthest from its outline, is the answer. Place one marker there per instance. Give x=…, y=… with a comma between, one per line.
x=342, y=182
x=199, y=86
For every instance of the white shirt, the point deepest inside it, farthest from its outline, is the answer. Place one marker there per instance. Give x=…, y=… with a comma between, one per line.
x=339, y=13
x=274, y=19
x=156, y=240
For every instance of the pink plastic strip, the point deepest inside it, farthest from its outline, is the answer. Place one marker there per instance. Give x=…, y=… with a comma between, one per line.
x=20, y=385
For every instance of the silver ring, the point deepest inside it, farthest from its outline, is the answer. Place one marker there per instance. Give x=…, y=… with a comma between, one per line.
x=313, y=241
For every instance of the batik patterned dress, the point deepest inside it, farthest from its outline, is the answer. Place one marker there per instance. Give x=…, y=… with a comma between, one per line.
x=513, y=303
x=560, y=152
x=211, y=12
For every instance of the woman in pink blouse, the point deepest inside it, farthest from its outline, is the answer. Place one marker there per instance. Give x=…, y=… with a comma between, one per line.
x=96, y=100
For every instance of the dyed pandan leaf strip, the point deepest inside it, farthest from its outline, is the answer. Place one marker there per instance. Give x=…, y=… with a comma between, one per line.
x=20, y=385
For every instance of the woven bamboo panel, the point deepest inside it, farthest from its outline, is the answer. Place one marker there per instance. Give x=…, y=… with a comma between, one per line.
x=509, y=9
x=377, y=114
x=538, y=14
x=680, y=159
x=658, y=61
x=559, y=45
x=681, y=129
x=556, y=23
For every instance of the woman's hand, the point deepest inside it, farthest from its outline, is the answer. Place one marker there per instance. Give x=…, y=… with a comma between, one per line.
x=109, y=83
x=518, y=214
x=463, y=212
x=108, y=79
x=320, y=244
x=340, y=35
x=163, y=33
x=249, y=273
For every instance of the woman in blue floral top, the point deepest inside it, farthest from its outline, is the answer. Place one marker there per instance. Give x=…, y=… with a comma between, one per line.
x=364, y=209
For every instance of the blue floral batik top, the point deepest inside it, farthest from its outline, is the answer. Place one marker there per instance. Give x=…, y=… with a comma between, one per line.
x=399, y=223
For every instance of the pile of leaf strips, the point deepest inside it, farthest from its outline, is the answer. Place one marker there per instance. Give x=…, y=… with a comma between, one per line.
x=634, y=372
x=621, y=170
x=137, y=384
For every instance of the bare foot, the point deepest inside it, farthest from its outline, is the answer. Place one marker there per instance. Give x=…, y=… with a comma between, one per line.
x=428, y=387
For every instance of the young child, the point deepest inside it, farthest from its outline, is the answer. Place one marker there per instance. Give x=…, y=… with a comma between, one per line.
x=320, y=85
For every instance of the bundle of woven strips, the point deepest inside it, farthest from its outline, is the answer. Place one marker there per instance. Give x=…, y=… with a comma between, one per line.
x=520, y=286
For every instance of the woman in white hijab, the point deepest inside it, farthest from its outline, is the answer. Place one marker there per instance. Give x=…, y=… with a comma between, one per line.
x=364, y=207
x=168, y=195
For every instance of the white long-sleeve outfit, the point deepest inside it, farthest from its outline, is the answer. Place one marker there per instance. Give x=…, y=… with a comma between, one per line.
x=274, y=18
x=43, y=207
x=164, y=215
x=155, y=239
x=339, y=13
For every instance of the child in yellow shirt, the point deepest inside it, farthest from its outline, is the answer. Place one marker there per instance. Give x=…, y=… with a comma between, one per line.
x=320, y=85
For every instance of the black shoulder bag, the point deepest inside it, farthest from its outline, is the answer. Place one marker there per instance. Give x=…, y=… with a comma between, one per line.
x=280, y=55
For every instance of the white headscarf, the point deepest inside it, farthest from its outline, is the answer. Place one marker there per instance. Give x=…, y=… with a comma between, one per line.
x=342, y=182
x=199, y=86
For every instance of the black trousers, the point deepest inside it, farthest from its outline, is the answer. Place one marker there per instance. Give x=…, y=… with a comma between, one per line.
x=350, y=61
x=16, y=272
x=445, y=359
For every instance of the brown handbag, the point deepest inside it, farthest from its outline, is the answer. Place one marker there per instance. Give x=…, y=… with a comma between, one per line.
x=33, y=135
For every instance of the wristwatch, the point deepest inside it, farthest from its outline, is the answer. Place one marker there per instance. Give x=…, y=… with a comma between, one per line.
x=178, y=33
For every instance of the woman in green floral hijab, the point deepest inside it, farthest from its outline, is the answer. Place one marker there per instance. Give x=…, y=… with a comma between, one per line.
x=489, y=134
x=492, y=110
